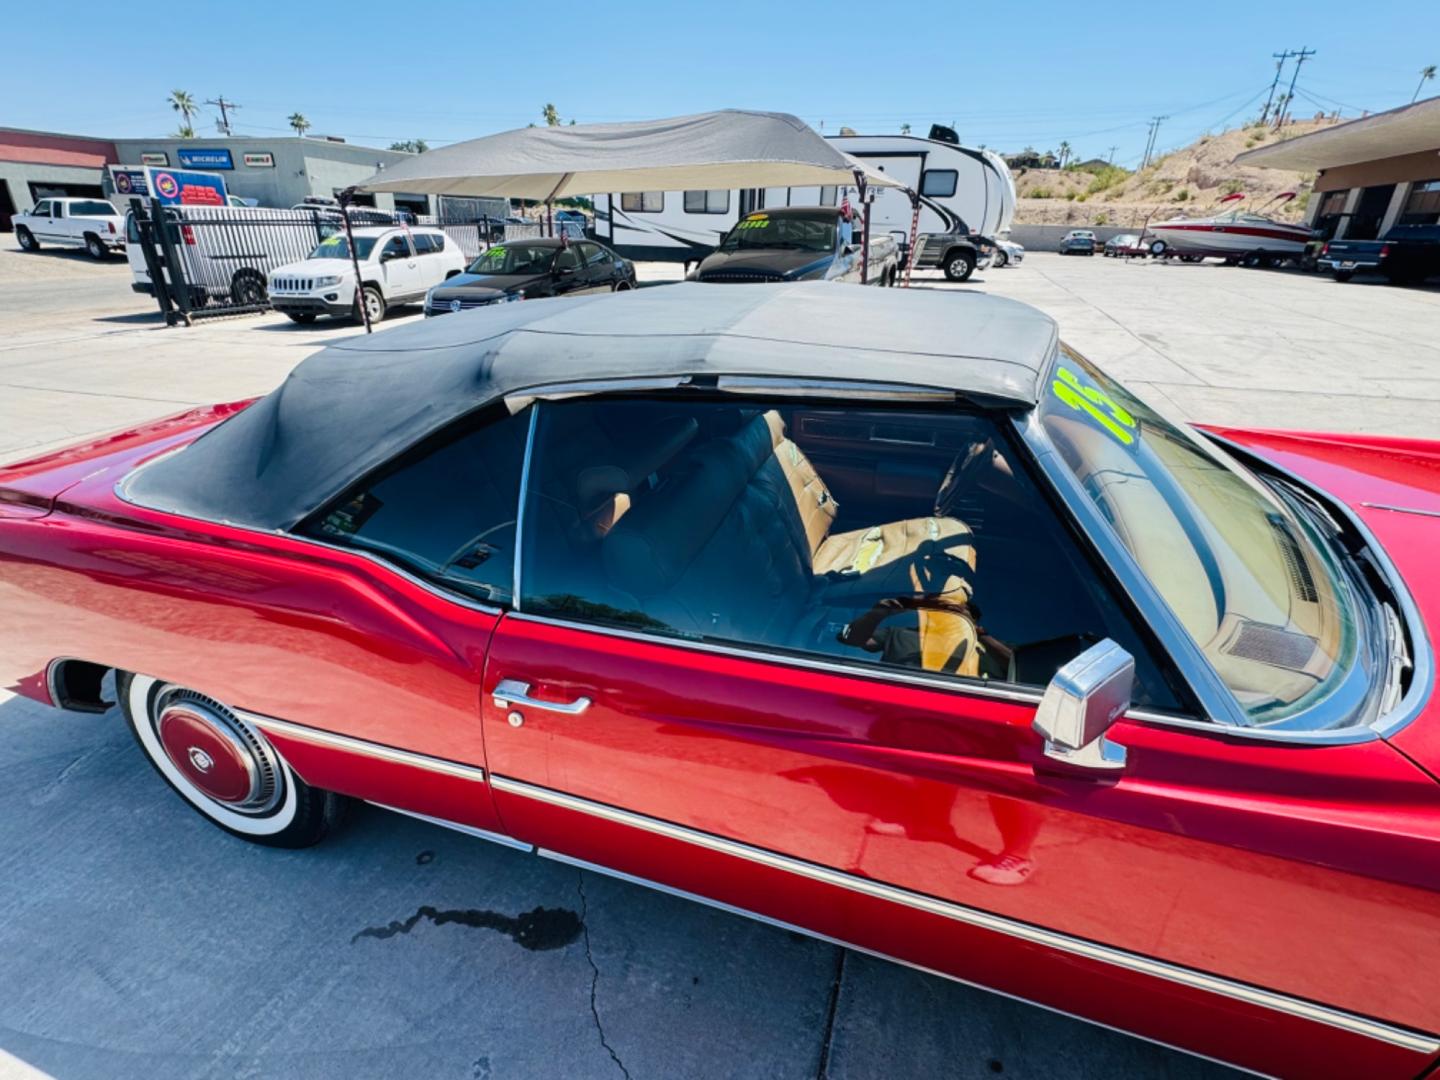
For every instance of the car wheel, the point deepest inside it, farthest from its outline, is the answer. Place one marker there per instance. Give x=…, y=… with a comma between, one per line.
x=374, y=305
x=959, y=266
x=622, y=286
x=1343, y=275
x=247, y=289
x=305, y=318
x=96, y=249
x=26, y=239
x=225, y=768
x=1001, y=259
x=1158, y=247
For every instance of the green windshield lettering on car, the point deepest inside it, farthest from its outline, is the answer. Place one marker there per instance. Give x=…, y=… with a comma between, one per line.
x=498, y=251
x=332, y=241
x=1092, y=400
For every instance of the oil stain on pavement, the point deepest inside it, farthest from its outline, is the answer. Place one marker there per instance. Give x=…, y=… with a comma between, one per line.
x=538, y=929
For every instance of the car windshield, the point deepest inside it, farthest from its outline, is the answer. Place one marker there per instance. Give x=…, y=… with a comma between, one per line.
x=337, y=247
x=1260, y=591
x=800, y=233
x=514, y=259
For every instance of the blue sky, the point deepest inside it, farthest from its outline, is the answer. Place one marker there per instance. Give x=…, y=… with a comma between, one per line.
x=1006, y=74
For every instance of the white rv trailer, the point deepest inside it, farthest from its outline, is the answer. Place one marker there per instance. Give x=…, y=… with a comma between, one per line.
x=962, y=189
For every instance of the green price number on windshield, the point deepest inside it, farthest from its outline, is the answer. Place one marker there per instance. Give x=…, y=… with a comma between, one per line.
x=1100, y=406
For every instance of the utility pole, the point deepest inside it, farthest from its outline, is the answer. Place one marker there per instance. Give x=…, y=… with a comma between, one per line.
x=1280, y=58
x=224, y=114
x=1111, y=159
x=1300, y=58
x=1155, y=122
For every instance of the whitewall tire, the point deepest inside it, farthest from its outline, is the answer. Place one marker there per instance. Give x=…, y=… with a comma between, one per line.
x=225, y=768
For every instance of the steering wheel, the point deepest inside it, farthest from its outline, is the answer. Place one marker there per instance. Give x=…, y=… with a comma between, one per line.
x=964, y=470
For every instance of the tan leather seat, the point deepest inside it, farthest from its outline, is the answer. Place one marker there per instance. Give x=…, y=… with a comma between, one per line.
x=740, y=545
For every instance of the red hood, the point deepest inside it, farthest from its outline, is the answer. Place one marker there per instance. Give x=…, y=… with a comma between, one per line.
x=1393, y=486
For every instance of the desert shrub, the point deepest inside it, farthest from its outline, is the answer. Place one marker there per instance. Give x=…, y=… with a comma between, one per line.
x=1040, y=193
x=1231, y=187
x=1106, y=178
x=1183, y=195
x=1102, y=219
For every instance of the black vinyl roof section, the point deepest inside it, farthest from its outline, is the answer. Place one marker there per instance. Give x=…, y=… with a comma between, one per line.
x=365, y=399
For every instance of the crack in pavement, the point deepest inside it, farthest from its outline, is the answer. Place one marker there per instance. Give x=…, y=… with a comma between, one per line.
x=823, y=1070
x=595, y=975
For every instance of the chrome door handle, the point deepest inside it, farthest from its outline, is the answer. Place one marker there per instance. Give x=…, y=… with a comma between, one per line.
x=509, y=692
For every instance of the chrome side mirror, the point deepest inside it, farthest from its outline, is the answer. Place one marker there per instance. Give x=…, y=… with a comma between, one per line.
x=1084, y=698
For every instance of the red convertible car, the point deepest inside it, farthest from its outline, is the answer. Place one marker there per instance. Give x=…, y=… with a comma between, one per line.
x=880, y=615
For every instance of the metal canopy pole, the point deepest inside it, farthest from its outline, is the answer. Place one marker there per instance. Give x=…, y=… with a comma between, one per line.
x=549, y=213
x=346, y=197
x=864, y=240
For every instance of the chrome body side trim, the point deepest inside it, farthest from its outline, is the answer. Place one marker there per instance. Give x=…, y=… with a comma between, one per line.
x=1060, y=942
x=520, y=507
x=363, y=747
x=794, y=928
x=468, y=830
x=1397, y=509
x=1423, y=670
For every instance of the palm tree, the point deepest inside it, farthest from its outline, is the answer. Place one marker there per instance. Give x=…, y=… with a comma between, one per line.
x=1064, y=153
x=552, y=115
x=1427, y=72
x=184, y=103
x=299, y=123
x=904, y=129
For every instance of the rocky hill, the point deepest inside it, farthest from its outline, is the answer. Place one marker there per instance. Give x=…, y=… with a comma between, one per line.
x=1186, y=181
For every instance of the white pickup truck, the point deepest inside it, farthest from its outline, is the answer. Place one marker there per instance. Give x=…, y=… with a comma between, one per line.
x=92, y=224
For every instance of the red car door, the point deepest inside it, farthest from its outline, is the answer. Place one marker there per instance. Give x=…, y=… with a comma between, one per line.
x=1214, y=891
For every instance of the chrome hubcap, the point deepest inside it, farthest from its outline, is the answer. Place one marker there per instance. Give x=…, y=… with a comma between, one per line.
x=215, y=751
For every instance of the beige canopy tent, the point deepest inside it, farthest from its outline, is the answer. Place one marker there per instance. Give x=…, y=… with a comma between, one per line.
x=732, y=148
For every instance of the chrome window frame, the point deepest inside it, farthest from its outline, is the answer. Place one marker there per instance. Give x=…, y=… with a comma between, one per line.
x=1225, y=715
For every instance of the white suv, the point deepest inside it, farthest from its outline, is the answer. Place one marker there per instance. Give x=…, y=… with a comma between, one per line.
x=397, y=266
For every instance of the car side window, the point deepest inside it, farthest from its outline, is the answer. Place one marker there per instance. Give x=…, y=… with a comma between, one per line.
x=594, y=254
x=445, y=510
x=396, y=248
x=57, y=208
x=568, y=259
x=424, y=244
x=42, y=208
x=879, y=538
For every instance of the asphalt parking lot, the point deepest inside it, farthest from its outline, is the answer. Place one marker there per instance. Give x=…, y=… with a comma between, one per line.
x=136, y=940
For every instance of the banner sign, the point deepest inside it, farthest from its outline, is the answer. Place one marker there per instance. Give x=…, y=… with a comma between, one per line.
x=129, y=182
x=180, y=187
x=159, y=158
x=259, y=161
x=195, y=158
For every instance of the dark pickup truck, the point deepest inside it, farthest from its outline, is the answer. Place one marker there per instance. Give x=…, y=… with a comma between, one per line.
x=1406, y=254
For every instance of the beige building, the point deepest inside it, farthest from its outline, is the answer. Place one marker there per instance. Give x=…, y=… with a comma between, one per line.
x=1371, y=174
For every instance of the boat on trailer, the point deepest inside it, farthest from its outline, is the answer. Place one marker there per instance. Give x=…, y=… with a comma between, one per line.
x=1233, y=235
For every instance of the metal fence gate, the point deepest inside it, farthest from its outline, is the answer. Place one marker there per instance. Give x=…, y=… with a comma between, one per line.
x=206, y=261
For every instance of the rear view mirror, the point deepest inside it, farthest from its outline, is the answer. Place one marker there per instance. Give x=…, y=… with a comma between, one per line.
x=1083, y=700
